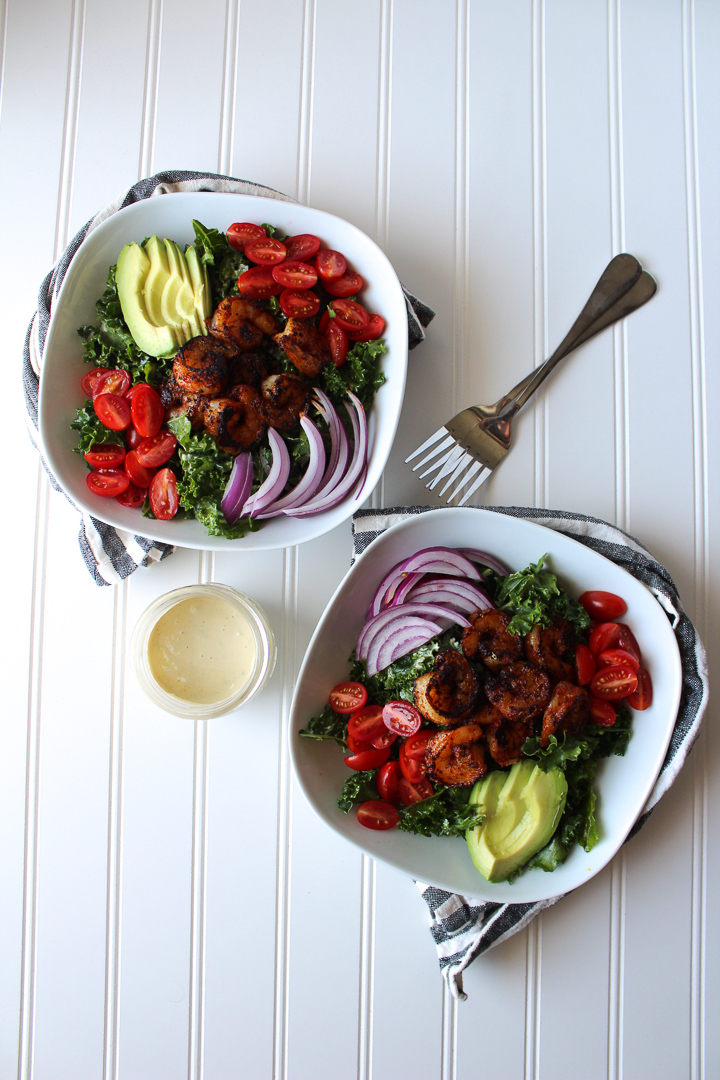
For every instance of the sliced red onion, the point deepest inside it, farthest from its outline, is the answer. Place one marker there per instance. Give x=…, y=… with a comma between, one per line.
x=238, y=488
x=275, y=480
x=396, y=641
x=354, y=474
x=485, y=560
x=389, y=589
x=464, y=590
x=441, y=560
x=399, y=593
x=445, y=616
x=305, y=488
x=339, y=444
x=446, y=597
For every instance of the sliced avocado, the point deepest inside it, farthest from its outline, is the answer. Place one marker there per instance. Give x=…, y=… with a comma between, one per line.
x=133, y=266
x=522, y=809
x=201, y=286
x=185, y=296
x=157, y=277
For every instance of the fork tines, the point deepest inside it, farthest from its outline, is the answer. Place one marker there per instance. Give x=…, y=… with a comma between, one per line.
x=451, y=461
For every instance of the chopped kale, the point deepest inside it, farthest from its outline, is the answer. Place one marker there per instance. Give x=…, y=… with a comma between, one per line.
x=446, y=813
x=534, y=598
x=358, y=788
x=328, y=725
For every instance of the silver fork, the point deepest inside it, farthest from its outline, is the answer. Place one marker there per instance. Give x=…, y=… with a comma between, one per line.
x=473, y=443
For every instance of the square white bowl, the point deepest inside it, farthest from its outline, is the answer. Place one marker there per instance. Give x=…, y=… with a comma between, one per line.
x=171, y=215
x=622, y=783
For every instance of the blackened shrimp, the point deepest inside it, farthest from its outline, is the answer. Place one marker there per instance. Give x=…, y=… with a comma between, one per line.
x=487, y=638
x=519, y=691
x=202, y=366
x=255, y=312
x=190, y=406
x=304, y=346
x=236, y=422
x=284, y=399
x=568, y=710
x=456, y=757
x=230, y=324
x=546, y=647
x=449, y=692
x=505, y=740
x=250, y=369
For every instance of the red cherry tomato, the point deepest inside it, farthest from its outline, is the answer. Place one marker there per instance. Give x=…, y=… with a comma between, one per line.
x=139, y=474
x=330, y=264
x=163, y=493
x=367, y=723
x=401, y=717
x=337, y=340
x=156, y=450
x=258, y=283
x=132, y=438
x=388, y=782
x=385, y=738
x=115, y=381
x=367, y=759
x=412, y=756
x=266, y=251
x=241, y=232
x=376, y=814
x=613, y=635
x=602, y=712
x=414, y=792
x=132, y=496
x=613, y=682
x=293, y=274
x=610, y=657
x=585, y=663
x=350, y=315
x=107, y=482
x=347, y=285
x=147, y=410
x=112, y=410
x=347, y=697
x=641, y=698
x=105, y=455
x=356, y=746
x=374, y=330
x=324, y=321
x=299, y=303
x=89, y=381
x=303, y=246
x=603, y=606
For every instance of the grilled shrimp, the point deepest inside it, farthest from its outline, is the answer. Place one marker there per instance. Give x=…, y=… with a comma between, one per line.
x=505, y=740
x=191, y=406
x=519, y=691
x=249, y=369
x=304, y=346
x=255, y=312
x=487, y=638
x=284, y=398
x=545, y=647
x=568, y=710
x=236, y=422
x=202, y=366
x=456, y=757
x=450, y=691
x=228, y=324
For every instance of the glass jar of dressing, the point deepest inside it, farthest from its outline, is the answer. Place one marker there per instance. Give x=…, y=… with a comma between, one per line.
x=203, y=651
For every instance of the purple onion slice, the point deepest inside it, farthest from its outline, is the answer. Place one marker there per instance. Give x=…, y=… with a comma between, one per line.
x=307, y=486
x=238, y=488
x=484, y=559
x=464, y=590
x=354, y=475
x=446, y=597
x=445, y=616
x=275, y=480
x=339, y=444
x=441, y=560
x=395, y=641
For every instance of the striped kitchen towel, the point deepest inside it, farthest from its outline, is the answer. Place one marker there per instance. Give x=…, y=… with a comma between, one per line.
x=112, y=554
x=462, y=926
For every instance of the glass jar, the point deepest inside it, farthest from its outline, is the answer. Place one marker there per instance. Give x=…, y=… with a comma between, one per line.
x=200, y=621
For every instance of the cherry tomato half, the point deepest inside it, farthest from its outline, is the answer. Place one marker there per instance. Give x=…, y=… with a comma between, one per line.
x=303, y=246
x=603, y=606
x=107, y=482
x=337, y=339
x=350, y=315
x=330, y=264
x=613, y=635
x=139, y=474
x=412, y=756
x=241, y=232
x=356, y=746
x=401, y=717
x=388, y=782
x=89, y=381
x=585, y=663
x=105, y=455
x=347, y=285
x=347, y=697
x=267, y=251
x=132, y=496
x=367, y=723
x=377, y=814
x=602, y=712
x=113, y=411
x=367, y=759
x=147, y=410
x=163, y=493
x=132, y=437
x=299, y=303
x=385, y=738
x=610, y=657
x=614, y=682
x=414, y=792
x=258, y=283
x=641, y=698
x=374, y=330
x=115, y=381
x=293, y=274
x=157, y=449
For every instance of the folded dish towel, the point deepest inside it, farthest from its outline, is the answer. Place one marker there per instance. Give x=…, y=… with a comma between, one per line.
x=464, y=927
x=112, y=554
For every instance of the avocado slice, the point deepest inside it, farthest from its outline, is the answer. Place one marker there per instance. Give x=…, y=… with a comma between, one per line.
x=133, y=267
x=200, y=285
x=521, y=809
x=157, y=277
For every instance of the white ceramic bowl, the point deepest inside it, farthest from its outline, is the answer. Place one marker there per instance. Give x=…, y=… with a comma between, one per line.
x=623, y=783
x=171, y=215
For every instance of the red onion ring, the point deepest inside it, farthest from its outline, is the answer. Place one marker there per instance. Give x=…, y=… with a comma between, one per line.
x=276, y=479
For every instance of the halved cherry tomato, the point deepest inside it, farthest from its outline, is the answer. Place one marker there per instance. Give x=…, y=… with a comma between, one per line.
x=602, y=712
x=585, y=663
x=356, y=746
x=337, y=340
x=258, y=283
x=115, y=381
x=147, y=410
x=388, y=782
x=367, y=759
x=294, y=274
x=347, y=285
x=412, y=756
x=641, y=698
x=385, y=738
x=157, y=449
x=267, y=251
x=132, y=437
x=299, y=303
x=107, y=482
x=603, y=606
x=163, y=493
x=105, y=455
x=367, y=723
x=347, y=697
x=89, y=381
x=401, y=717
x=303, y=246
x=613, y=635
x=614, y=682
x=132, y=496
x=112, y=410
x=324, y=321
x=330, y=264
x=610, y=657
x=139, y=474
x=377, y=814
x=374, y=329
x=414, y=792
x=241, y=232
x=350, y=315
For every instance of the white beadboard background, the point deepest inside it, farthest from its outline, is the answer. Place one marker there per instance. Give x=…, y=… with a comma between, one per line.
x=169, y=906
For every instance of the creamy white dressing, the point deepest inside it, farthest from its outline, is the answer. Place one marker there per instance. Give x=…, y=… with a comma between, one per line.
x=202, y=650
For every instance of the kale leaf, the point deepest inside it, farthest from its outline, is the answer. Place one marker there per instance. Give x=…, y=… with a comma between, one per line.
x=224, y=263
x=446, y=813
x=396, y=681
x=328, y=725
x=91, y=429
x=360, y=372
x=358, y=788
x=533, y=598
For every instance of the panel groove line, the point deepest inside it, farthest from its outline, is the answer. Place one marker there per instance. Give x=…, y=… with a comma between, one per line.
x=150, y=92
x=307, y=86
x=229, y=87
x=540, y=255
x=616, y=970
x=462, y=208
x=3, y=50
x=198, y=901
x=448, y=1035
x=366, y=981
x=70, y=125
x=533, y=994
x=383, y=160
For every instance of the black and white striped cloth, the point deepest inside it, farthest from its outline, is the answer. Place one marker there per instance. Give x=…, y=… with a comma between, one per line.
x=113, y=554
x=464, y=927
